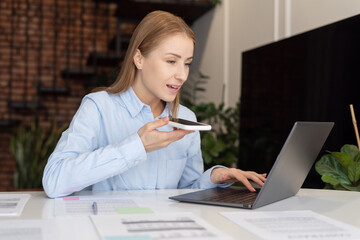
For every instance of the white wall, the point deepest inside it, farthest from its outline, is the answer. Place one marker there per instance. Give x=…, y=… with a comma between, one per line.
x=208, y=55
x=239, y=25
x=309, y=14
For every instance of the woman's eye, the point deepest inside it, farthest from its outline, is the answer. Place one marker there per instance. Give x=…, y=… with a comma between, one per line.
x=188, y=64
x=171, y=61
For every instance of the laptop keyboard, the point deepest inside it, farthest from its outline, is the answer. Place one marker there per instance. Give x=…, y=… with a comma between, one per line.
x=239, y=196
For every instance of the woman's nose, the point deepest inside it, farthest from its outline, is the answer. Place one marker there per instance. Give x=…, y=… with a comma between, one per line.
x=182, y=73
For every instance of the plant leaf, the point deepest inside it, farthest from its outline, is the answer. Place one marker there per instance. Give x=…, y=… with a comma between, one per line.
x=207, y=157
x=343, y=158
x=330, y=179
x=207, y=141
x=351, y=150
x=218, y=148
x=330, y=167
x=357, y=158
x=354, y=172
x=350, y=187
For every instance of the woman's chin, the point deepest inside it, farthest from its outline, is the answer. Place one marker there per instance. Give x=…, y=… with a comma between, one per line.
x=169, y=98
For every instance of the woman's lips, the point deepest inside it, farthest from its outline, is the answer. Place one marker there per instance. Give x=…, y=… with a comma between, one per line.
x=173, y=88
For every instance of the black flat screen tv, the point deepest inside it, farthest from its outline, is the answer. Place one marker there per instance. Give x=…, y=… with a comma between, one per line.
x=312, y=76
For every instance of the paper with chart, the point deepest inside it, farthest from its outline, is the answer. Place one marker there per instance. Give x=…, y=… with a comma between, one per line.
x=105, y=205
x=156, y=226
x=294, y=225
x=28, y=229
x=12, y=204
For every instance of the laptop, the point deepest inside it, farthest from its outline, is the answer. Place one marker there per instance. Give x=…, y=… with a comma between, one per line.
x=285, y=178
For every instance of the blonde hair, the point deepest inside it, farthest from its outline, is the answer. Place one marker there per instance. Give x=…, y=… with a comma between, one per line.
x=155, y=27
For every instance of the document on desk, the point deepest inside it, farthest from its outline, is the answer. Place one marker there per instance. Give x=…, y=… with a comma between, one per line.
x=174, y=226
x=12, y=204
x=294, y=225
x=35, y=229
x=96, y=205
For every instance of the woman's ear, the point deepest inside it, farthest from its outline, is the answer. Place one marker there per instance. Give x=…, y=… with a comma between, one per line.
x=138, y=59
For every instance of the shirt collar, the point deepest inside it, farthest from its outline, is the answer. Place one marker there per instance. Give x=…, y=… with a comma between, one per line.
x=134, y=105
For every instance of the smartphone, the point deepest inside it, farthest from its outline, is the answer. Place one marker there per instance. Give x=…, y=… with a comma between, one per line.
x=189, y=125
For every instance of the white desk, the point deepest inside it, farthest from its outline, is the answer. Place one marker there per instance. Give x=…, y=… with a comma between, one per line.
x=340, y=205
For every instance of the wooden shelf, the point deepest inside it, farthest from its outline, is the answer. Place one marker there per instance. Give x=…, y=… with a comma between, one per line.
x=58, y=90
x=104, y=59
x=79, y=74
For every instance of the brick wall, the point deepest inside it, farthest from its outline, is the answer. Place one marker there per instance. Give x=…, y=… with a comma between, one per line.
x=39, y=41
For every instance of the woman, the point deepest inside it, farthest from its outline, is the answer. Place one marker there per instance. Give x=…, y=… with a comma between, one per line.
x=119, y=138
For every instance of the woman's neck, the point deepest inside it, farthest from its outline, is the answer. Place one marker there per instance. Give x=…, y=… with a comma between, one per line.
x=157, y=105
x=157, y=109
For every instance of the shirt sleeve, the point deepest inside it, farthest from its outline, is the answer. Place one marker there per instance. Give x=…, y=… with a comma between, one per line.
x=79, y=160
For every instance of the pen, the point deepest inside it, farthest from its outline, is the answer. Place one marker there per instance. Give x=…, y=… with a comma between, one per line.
x=95, y=208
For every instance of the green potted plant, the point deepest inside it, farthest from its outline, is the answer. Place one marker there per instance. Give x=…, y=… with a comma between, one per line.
x=31, y=147
x=341, y=170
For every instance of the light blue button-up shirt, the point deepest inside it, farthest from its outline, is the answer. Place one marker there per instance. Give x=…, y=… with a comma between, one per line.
x=102, y=151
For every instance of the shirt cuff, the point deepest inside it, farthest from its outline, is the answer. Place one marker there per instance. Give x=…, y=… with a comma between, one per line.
x=209, y=184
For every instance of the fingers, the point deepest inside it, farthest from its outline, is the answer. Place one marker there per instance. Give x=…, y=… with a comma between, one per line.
x=229, y=175
x=178, y=133
x=255, y=178
x=153, y=139
x=158, y=123
x=165, y=138
x=244, y=177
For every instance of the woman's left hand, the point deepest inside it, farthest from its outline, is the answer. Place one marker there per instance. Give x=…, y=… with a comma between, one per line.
x=230, y=175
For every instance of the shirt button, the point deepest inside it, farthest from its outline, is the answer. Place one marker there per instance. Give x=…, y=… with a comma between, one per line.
x=136, y=162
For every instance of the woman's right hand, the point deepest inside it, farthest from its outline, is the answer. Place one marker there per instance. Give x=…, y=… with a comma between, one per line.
x=153, y=139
